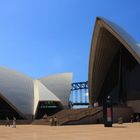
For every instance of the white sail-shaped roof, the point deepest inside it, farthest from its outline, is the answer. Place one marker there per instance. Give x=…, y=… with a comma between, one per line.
x=60, y=85
x=17, y=89
x=106, y=41
x=41, y=93
x=23, y=93
x=125, y=38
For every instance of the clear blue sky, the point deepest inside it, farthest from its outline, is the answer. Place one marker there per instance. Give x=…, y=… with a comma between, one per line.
x=42, y=37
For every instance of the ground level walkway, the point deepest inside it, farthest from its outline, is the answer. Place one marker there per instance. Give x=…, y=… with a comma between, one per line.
x=125, y=131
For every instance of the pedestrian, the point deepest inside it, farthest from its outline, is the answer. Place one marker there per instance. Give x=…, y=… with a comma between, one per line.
x=71, y=105
x=55, y=121
x=137, y=118
x=45, y=116
x=51, y=121
x=14, y=122
x=132, y=118
x=7, y=122
x=120, y=120
x=96, y=104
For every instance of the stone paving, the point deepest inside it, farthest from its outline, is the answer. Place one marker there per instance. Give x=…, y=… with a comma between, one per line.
x=125, y=131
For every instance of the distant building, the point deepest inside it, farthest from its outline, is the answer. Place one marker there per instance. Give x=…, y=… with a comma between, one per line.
x=114, y=66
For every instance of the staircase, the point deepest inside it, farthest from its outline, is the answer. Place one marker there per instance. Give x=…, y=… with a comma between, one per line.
x=18, y=122
x=69, y=116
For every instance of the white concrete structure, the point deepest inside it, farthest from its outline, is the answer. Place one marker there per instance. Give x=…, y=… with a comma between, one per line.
x=60, y=85
x=17, y=90
x=41, y=93
x=23, y=94
x=114, y=66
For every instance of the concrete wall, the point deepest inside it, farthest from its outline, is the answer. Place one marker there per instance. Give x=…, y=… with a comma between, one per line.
x=135, y=105
x=124, y=112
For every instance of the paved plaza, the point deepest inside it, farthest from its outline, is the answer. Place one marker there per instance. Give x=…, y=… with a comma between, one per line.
x=79, y=132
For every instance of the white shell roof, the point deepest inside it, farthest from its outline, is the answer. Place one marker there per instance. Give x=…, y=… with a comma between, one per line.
x=60, y=85
x=45, y=94
x=23, y=93
x=101, y=58
x=121, y=34
x=17, y=89
x=42, y=94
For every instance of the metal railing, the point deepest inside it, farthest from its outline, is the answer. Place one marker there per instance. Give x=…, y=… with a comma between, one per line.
x=71, y=115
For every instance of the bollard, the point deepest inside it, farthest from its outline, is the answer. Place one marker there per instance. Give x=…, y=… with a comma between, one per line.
x=108, y=112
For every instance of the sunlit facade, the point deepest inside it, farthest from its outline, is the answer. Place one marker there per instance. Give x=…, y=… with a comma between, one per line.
x=26, y=98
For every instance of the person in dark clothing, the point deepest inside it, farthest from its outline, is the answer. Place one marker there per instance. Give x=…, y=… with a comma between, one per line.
x=137, y=118
x=132, y=118
x=55, y=121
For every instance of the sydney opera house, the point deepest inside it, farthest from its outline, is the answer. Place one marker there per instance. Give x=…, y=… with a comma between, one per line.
x=114, y=66
x=26, y=98
x=114, y=69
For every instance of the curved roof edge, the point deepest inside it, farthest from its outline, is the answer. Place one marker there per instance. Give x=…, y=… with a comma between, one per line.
x=60, y=85
x=17, y=88
x=121, y=35
x=125, y=38
x=15, y=71
x=13, y=106
x=41, y=93
x=55, y=74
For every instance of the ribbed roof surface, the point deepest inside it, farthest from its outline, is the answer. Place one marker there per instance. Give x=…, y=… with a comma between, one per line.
x=45, y=94
x=17, y=89
x=60, y=85
x=124, y=37
x=106, y=41
x=42, y=94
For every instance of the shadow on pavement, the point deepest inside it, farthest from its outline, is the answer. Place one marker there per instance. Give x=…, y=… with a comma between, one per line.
x=120, y=126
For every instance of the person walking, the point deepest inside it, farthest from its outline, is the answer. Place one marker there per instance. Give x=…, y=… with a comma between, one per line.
x=137, y=118
x=14, y=122
x=132, y=118
x=55, y=121
x=7, y=122
x=45, y=116
x=51, y=121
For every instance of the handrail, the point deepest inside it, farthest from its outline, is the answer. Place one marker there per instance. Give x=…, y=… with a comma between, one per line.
x=66, y=116
x=69, y=116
